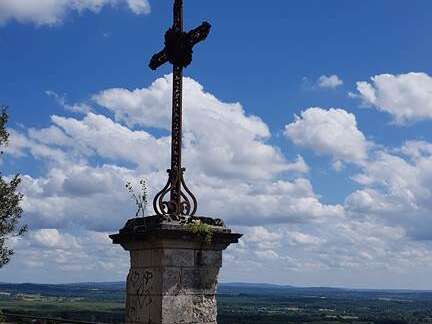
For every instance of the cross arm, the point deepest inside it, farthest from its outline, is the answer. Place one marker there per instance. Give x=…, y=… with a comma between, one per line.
x=199, y=34
x=178, y=46
x=158, y=59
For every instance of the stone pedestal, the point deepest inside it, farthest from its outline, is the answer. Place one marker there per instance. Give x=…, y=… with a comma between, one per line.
x=174, y=271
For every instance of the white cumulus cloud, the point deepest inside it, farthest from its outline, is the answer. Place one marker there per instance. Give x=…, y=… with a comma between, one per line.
x=397, y=189
x=219, y=137
x=329, y=82
x=406, y=97
x=331, y=132
x=51, y=12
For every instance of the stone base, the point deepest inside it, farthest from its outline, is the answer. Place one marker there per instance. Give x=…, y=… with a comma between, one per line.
x=173, y=274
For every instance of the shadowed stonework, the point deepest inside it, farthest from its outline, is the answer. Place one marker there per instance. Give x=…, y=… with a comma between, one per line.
x=173, y=273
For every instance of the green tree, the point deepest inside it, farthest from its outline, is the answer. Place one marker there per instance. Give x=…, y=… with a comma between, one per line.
x=10, y=200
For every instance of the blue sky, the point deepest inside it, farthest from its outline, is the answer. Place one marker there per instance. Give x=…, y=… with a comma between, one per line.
x=362, y=169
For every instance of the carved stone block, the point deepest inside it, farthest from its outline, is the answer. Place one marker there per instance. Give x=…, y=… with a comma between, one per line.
x=174, y=257
x=142, y=281
x=208, y=258
x=171, y=281
x=200, y=280
x=141, y=258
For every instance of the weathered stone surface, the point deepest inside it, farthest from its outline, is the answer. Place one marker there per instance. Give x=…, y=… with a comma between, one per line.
x=171, y=281
x=204, y=308
x=189, y=309
x=144, y=281
x=173, y=257
x=156, y=311
x=141, y=258
x=177, y=309
x=199, y=280
x=208, y=258
x=138, y=308
x=173, y=275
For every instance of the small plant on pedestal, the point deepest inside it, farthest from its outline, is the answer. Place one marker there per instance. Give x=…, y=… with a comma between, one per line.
x=196, y=226
x=139, y=196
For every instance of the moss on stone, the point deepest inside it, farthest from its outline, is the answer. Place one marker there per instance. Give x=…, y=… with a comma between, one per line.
x=202, y=229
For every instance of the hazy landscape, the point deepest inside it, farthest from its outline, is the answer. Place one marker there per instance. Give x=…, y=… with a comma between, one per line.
x=237, y=303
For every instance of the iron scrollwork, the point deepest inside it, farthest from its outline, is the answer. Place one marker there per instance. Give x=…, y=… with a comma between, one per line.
x=173, y=209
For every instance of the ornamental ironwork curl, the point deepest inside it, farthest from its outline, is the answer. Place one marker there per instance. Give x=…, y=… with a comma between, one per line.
x=167, y=205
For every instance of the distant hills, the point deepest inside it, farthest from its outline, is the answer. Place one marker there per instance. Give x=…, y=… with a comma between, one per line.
x=237, y=285
x=254, y=285
x=116, y=290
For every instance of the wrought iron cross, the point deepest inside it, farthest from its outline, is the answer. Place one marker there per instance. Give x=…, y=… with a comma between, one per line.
x=178, y=51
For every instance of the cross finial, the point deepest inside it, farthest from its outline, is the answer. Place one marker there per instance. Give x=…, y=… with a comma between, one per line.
x=178, y=51
x=179, y=44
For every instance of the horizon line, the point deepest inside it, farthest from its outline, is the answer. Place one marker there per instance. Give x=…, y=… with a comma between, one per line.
x=275, y=285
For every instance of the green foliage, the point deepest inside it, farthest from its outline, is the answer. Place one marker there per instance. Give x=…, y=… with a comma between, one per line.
x=139, y=196
x=4, y=135
x=10, y=199
x=202, y=229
